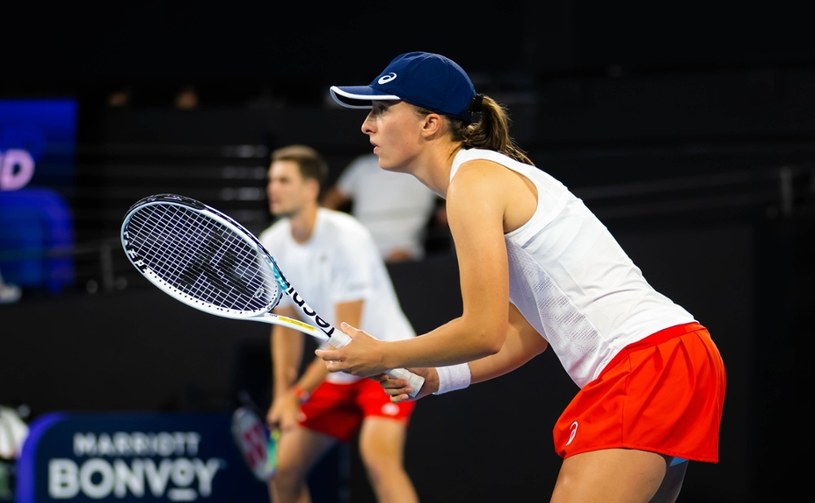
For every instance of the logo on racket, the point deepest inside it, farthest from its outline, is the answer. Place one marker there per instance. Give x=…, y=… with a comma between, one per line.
x=301, y=302
x=135, y=258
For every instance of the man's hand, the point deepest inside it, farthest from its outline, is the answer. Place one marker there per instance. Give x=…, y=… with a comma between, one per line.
x=284, y=412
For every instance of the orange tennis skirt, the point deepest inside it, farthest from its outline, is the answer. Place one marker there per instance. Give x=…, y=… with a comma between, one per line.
x=662, y=394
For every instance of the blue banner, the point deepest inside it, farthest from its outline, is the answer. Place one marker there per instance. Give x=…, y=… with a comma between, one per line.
x=147, y=457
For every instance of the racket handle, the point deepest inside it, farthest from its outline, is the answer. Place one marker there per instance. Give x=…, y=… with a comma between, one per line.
x=339, y=339
x=416, y=381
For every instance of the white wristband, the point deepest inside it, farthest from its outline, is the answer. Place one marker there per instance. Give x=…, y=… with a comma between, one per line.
x=453, y=377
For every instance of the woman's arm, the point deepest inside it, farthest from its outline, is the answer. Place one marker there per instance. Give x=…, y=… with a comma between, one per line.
x=521, y=345
x=475, y=211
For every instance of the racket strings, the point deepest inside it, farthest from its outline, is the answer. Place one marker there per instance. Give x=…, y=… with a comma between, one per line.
x=202, y=258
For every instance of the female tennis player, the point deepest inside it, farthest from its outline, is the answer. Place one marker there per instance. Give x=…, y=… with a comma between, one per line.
x=538, y=269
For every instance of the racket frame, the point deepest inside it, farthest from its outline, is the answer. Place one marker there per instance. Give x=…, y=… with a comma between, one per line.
x=322, y=329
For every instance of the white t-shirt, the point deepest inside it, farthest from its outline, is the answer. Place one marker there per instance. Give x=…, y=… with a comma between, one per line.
x=340, y=263
x=395, y=207
x=573, y=282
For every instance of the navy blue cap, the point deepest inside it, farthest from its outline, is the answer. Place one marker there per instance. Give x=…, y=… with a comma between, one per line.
x=424, y=79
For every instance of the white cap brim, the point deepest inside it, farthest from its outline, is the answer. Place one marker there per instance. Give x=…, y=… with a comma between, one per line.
x=359, y=96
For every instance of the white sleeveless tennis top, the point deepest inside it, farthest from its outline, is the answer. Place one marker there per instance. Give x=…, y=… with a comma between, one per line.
x=573, y=282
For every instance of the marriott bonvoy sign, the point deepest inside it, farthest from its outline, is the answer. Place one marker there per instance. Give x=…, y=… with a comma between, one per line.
x=134, y=457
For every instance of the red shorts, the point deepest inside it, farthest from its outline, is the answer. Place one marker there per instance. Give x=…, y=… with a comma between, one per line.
x=663, y=394
x=337, y=410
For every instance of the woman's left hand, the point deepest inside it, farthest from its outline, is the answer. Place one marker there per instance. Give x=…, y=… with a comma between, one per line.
x=400, y=389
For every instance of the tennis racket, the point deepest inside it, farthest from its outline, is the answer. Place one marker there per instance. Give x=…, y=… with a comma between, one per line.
x=256, y=441
x=207, y=260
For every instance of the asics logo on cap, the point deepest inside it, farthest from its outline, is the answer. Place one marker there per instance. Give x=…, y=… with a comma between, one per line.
x=386, y=78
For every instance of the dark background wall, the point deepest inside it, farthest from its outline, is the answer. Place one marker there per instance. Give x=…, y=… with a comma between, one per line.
x=293, y=51
x=688, y=127
x=140, y=350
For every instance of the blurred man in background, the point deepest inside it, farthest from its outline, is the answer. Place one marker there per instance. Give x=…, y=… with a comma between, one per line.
x=335, y=264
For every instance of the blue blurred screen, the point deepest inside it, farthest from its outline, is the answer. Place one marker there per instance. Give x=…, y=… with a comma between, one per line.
x=37, y=181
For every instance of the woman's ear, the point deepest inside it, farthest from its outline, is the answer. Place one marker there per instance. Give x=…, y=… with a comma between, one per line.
x=433, y=124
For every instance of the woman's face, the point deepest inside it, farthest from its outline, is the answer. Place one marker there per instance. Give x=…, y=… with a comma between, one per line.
x=395, y=130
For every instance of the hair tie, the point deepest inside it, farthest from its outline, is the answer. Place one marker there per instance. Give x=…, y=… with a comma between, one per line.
x=478, y=101
x=475, y=109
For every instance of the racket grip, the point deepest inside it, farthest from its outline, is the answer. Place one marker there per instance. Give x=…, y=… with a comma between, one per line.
x=339, y=339
x=416, y=381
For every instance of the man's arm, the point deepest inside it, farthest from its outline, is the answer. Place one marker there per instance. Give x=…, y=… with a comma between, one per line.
x=286, y=347
x=316, y=371
x=287, y=354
